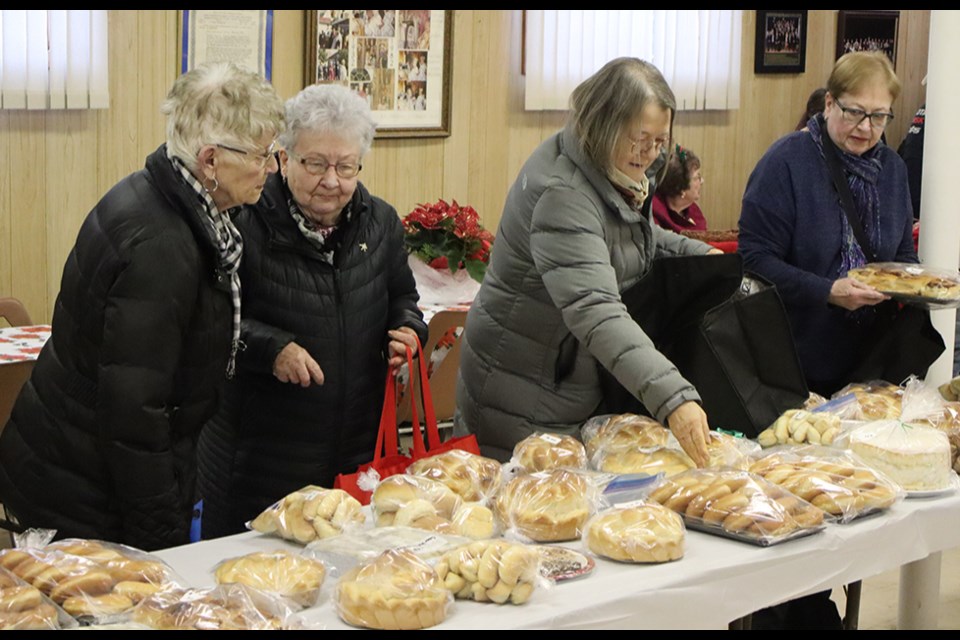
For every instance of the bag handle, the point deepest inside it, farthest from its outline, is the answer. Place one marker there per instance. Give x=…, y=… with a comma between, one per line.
x=387, y=434
x=846, y=198
x=429, y=413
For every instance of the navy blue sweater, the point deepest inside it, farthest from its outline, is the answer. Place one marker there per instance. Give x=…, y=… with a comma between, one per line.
x=790, y=233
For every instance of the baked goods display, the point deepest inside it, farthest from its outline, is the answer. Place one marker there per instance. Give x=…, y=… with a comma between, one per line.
x=625, y=431
x=290, y=575
x=310, y=513
x=396, y=590
x=948, y=421
x=474, y=478
x=875, y=400
x=836, y=483
x=229, y=607
x=647, y=533
x=550, y=506
x=474, y=520
x=367, y=544
x=730, y=451
x=915, y=457
x=737, y=504
x=799, y=426
x=24, y=607
x=907, y=281
x=490, y=571
x=651, y=462
x=394, y=492
x=545, y=451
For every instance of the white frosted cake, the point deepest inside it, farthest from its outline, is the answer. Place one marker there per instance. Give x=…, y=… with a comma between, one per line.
x=915, y=457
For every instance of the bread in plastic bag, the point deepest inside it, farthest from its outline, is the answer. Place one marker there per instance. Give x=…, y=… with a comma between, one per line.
x=877, y=399
x=293, y=576
x=310, y=513
x=235, y=607
x=799, y=426
x=947, y=419
x=725, y=450
x=619, y=432
x=474, y=478
x=497, y=571
x=738, y=505
x=543, y=451
x=23, y=607
x=395, y=492
x=920, y=285
x=395, y=590
x=639, y=532
x=549, y=506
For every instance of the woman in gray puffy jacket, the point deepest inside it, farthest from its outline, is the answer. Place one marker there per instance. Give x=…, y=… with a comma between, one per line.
x=573, y=236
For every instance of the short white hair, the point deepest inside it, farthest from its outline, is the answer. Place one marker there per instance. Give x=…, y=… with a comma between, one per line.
x=329, y=108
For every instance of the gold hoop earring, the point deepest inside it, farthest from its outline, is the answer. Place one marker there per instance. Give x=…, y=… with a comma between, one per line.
x=216, y=185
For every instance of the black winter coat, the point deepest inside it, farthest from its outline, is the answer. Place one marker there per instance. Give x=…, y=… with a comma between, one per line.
x=101, y=441
x=271, y=438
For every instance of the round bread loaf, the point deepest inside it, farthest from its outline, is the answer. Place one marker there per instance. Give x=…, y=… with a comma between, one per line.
x=394, y=492
x=545, y=451
x=474, y=478
x=641, y=533
x=625, y=431
x=290, y=575
x=549, y=506
x=663, y=460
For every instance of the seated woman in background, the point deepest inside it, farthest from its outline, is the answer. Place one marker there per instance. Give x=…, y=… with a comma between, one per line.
x=675, y=202
x=815, y=105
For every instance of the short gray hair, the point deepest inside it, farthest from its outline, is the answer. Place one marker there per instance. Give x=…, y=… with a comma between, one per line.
x=219, y=102
x=329, y=108
x=605, y=103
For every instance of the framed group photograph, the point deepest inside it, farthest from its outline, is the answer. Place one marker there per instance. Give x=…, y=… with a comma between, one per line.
x=399, y=60
x=781, y=45
x=868, y=31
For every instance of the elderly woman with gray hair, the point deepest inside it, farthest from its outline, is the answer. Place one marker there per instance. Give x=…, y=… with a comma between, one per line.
x=574, y=234
x=102, y=439
x=329, y=303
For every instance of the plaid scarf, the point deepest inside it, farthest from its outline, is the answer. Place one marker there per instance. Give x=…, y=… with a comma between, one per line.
x=316, y=235
x=229, y=244
x=862, y=173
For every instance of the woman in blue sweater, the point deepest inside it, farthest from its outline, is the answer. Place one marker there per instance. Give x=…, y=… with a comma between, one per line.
x=794, y=231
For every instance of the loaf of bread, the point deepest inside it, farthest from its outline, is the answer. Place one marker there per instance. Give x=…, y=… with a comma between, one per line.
x=490, y=571
x=645, y=533
x=230, y=607
x=394, y=492
x=310, y=514
x=290, y=575
x=729, y=451
x=799, y=426
x=875, y=400
x=22, y=606
x=474, y=478
x=651, y=462
x=621, y=432
x=545, y=451
x=549, y=506
x=908, y=279
x=396, y=590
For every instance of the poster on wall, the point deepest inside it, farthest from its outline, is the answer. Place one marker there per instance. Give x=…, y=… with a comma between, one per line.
x=399, y=60
x=235, y=35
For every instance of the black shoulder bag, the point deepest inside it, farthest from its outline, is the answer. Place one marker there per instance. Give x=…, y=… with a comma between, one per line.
x=902, y=340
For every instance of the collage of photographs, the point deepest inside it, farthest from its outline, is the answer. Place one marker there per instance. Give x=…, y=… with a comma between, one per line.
x=381, y=53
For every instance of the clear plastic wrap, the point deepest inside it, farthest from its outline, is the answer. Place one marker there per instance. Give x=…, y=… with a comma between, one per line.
x=231, y=607
x=799, y=426
x=640, y=532
x=730, y=451
x=424, y=503
x=544, y=451
x=738, y=505
x=343, y=553
x=877, y=400
x=915, y=284
x=831, y=479
x=293, y=576
x=550, y=506
x=497, y=571
x=474, y=478
x=948, y=421
x=24, y=608
x=309, y=514
x=395, y=590
x=621, y=432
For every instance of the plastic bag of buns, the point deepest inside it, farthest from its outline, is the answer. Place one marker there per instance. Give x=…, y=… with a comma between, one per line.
x=737, y=505
x=831, y=479
x=621, y=432
x=549, y=506
x=423, y=503
x=229, y=607
x=395, y=590
x=542, y=451
x=876, y=400
x=799, y=426
x=496, y=571
x=727, y=450
x=474, y=478
x=309, y=514
x=666, y=460
x=91, y=580
x=638, y=532
x=297, y=577
x=24, y=607
x=345, y=552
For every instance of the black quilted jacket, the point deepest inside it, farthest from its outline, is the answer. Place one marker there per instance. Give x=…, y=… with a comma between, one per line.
x=101, y=440
x=270, y=437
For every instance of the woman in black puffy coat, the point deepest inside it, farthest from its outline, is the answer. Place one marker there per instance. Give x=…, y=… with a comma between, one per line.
x=329, y=303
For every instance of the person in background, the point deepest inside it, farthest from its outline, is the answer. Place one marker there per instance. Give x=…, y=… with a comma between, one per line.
x=574, y=235
x=675, y=201
x=102, y=438
x=911, y=150
x=329, y=303
x=815, y=105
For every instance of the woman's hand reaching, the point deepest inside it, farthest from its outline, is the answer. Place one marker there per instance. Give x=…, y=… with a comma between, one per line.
x=688, y=423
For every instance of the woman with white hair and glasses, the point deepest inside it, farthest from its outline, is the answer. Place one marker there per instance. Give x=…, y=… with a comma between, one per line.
x=329, y=303
x=101, y=441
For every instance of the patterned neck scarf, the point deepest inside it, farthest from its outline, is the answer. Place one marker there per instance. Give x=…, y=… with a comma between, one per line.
x=229, y=244
x=628, y=185
x=315, y=234
x=862, y=173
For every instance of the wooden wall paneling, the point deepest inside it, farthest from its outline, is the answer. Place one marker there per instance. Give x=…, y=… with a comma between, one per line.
x=289, y=54
x=457, y=147
x=28, y=265
x=6, y=208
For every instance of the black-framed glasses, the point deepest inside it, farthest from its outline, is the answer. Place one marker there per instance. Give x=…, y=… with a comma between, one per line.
x=261, y=159
x=319, y=167
x=854, y=116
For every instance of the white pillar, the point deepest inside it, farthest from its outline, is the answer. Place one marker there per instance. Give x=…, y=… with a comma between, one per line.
x=940, y=218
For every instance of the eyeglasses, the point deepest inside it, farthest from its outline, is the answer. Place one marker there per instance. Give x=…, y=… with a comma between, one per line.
x=878, y=119
x=260, y=159
x=644, y=146
x=317, y=167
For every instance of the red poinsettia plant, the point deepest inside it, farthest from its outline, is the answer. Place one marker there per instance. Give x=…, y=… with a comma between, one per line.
x=449, y=236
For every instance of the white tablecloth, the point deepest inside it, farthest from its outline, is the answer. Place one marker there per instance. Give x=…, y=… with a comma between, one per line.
x=717, y=581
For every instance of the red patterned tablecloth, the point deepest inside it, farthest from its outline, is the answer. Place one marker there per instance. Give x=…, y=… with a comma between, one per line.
x=18, y=344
